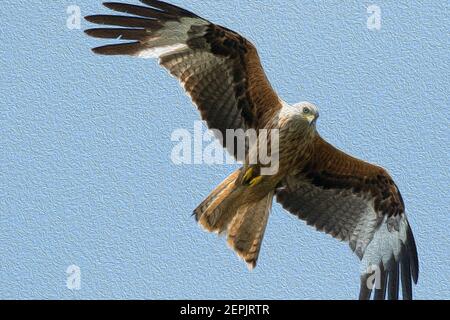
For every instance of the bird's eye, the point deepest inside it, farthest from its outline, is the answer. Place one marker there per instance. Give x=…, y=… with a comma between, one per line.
x=306, y=111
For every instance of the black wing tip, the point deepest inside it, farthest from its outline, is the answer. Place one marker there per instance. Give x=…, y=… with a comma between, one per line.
x=399, y=271
x=93, y=32
x=164, y=9
x=364, y=292
x=129, y=49
x=91, y=18
x=112, y=3
x=413, y=255
x=380, y=293
x=169, y=8
x=99, y=18
x=99, y=51
x=396, y=273
x=409, y=265
x=393, y=282
x=197, y=213
x=378, y=289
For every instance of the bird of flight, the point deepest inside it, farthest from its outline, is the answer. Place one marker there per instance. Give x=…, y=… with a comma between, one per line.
x=350, y=199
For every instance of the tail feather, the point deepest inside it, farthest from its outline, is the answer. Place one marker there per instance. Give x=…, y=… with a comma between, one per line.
x=247, y=229
x=214, y=212
x=233, y=209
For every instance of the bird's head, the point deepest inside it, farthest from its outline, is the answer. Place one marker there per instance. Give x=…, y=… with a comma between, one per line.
x=308, y=112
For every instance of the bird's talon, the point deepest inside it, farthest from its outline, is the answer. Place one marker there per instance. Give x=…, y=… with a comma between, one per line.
x=255, y=181
x=248, y=175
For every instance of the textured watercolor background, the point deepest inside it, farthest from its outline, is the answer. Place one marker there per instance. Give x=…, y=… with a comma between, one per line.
x=85, y=176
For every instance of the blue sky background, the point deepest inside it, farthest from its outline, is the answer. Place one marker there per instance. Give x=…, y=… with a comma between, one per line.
x=85, y=171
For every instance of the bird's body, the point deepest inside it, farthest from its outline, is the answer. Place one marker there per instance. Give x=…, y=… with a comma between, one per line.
x=233, y=204
x=350, y=199
x=292, y=127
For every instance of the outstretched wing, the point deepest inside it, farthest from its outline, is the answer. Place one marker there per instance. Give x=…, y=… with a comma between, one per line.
x=218, y=68
x=359, y=203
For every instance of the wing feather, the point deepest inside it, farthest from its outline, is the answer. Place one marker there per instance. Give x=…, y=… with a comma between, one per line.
x=393, y=280
x=122, y=21
x=141, y=11
x=218, y=68
x=117, y=33
x=356, y=202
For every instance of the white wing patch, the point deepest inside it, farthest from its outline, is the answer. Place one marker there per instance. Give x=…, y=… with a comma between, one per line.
x=157, y=52
x=172, y=38
x=385, y=244
x=364, y=230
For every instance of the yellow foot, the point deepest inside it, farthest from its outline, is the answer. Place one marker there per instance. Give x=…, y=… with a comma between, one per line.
x=256, y=181
x=248, y=175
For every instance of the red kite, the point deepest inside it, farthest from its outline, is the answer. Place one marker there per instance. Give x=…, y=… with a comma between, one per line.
x=350, y=199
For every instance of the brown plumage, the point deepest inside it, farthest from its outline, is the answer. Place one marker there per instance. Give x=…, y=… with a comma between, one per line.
x=217, y=67
x=353, y=201
x=347, y=198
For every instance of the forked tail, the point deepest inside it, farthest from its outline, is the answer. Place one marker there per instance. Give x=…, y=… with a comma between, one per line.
x=233, y=208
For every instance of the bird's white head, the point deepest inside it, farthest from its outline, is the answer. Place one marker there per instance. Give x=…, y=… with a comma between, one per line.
x=307, y=111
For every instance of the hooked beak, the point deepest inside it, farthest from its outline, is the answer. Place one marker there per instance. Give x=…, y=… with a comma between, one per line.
x=313, y=120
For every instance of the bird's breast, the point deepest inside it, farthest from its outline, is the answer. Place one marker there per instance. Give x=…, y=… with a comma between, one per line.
x=295, y=144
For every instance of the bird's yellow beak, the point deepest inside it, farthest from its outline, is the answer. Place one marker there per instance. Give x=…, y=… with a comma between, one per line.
x=311, y=119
